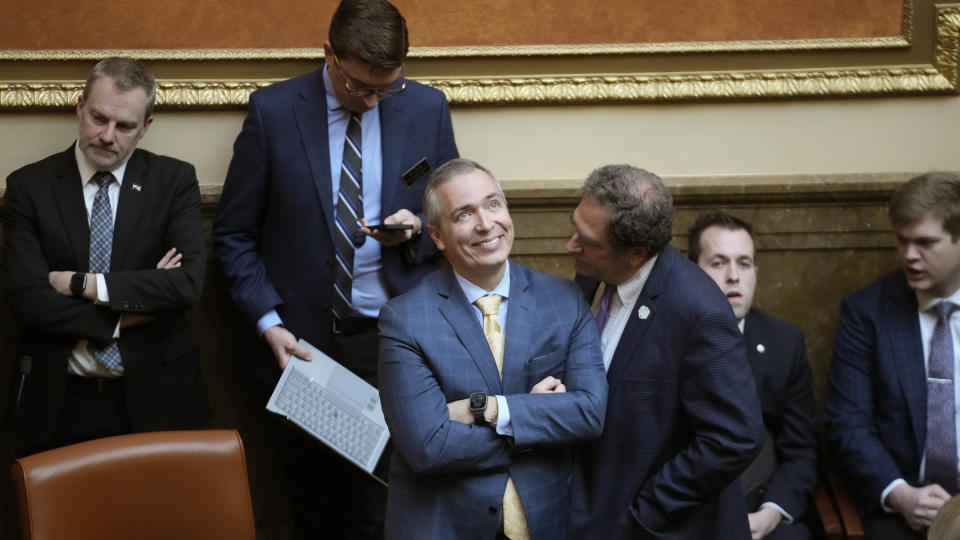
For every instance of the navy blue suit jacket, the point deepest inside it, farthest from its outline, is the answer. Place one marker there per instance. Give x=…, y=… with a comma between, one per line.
x=446, y=478
x=682, y=423
x=876, y=411
x=274, y=229
x=46, y=229
x=778, y=358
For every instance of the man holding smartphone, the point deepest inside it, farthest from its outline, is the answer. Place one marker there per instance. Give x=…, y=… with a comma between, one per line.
x=319, y=158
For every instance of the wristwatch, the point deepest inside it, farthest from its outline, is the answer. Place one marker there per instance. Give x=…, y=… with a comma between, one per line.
x=478, y=404
x=78, y=282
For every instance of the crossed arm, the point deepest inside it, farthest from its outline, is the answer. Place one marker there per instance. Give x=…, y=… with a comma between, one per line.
x=60, y=281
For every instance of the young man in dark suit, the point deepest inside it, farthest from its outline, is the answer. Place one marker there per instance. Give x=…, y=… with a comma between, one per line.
x=319, y=158
x=683, y=420
x=891, y=413
x=103, y=255
x=778, y=484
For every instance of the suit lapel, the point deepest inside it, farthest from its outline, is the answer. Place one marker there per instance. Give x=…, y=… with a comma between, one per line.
x=129, y=206
x=68, y=192
x=459, y=315
x=628, y=349
x=521, y=322
x=752, y=332
x=905, y=342
x=311, y=115
x=392, y=137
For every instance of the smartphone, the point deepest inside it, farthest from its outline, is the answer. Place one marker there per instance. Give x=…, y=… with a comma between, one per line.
x=390, y=227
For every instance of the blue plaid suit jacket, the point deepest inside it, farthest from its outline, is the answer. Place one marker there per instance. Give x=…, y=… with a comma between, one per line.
x=876, y=410
x=447, y=479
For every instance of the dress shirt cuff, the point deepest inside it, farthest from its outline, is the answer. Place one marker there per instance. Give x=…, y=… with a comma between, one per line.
x=786, y=515
x=268, y=321
x=886, y=492
x=103, y=295
x=504, y=427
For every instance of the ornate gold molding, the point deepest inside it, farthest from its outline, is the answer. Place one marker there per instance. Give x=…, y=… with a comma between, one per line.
x=170, y=94
x=590, y=89
x=948, y=37
x=477, y=51
x=674, y=87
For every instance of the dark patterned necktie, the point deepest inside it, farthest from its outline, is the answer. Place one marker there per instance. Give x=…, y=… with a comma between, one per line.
x=101, y=246
x=941, y=451
x=348, y=236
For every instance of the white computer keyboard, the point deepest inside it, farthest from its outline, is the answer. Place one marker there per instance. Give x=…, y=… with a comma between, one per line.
x=330, y=418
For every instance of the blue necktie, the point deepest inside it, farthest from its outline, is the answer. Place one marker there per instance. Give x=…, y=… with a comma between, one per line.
x=349, y=212
x=101, y=245
x=941, y=450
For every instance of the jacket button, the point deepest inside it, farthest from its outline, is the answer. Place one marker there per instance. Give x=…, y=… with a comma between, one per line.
x=492, y=510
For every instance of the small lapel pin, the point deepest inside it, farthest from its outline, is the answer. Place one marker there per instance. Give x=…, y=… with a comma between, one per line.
x=761, y=348
x=136, y=187
x=643, y=312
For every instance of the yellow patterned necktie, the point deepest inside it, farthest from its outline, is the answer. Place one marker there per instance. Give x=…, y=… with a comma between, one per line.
x=514, y=518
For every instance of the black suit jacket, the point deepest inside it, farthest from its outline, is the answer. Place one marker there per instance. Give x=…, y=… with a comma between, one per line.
x=46, y=229
x=778, y=359
x=682, y=418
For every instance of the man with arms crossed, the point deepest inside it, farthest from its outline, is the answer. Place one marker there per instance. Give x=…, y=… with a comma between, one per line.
x=103, y=255
x=778, y=484
x=891, y=406
x=489, y=372
x=683, y=420
x=318, y=157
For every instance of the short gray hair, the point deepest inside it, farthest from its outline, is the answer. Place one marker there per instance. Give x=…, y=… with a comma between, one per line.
x=127, y=74
x=443, y=174
x=640, y=206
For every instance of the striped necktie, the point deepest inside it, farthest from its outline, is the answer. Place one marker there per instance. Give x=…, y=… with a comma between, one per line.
x=101, y=247
x=348, y=236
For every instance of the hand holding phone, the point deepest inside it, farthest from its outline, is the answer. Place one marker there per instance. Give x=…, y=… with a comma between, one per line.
x=390, y=227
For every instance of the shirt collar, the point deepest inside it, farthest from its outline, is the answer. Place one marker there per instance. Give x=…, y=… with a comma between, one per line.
x=87, y=170
x=473, y=292
x=630, y=290
x=926, y=301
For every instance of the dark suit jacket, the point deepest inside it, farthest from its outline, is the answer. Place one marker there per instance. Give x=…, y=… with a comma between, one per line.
x=876, y=410
x=446, y=478
x=274, y=229
x=46, y=229
x=682, y=423
x=778, y=359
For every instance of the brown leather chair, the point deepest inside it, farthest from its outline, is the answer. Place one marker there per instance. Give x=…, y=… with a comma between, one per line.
x=836, y=509
x=172, y=484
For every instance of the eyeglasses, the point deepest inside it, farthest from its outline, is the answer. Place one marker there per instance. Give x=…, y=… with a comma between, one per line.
x=352, y=90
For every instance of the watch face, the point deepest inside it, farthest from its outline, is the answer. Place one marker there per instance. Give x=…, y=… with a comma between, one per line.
x=478, y=400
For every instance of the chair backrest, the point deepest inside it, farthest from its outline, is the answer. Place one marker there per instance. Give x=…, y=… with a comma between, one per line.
x=163, y=485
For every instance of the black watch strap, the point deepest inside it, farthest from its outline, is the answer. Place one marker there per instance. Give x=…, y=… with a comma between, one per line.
x=478, y=405
x=78, y=283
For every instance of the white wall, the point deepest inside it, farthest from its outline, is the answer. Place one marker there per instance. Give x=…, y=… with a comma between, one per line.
x=566, y=142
